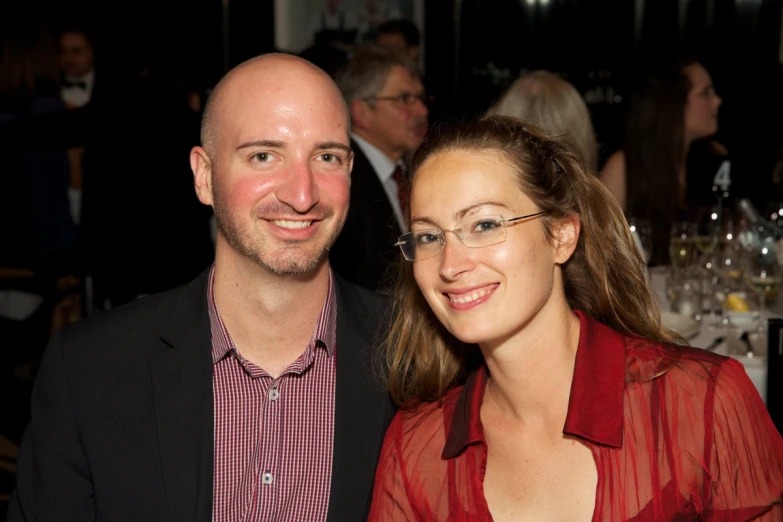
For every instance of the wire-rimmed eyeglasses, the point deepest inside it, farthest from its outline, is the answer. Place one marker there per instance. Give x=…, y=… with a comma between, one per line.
x=475, y=233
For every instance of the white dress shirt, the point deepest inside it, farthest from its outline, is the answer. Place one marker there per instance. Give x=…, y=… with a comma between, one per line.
x=384, y=168
x=76, y=96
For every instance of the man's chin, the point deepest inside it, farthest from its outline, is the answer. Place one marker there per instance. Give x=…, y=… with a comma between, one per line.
x=294, y=263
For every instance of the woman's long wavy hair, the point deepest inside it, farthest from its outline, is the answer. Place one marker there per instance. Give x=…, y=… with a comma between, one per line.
x=605, y=277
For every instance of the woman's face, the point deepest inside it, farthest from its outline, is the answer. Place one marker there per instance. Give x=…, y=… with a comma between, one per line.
x=488, y=293
x=701, y=108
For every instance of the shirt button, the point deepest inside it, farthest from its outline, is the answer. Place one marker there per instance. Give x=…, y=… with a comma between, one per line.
x=267, y=478
x=274, y=394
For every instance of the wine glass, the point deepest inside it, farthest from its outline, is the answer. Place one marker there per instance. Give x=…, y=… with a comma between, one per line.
x=682, y=245
x=762, y=274
x=707, y=240
x=641, y=230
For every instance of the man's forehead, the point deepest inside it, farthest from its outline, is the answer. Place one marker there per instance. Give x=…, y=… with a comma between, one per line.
x=400, y=76
x=291, y=129
x=74, y=40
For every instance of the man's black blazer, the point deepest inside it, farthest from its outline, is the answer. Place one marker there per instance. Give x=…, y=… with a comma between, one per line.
x=122, y=414
x=364, y=253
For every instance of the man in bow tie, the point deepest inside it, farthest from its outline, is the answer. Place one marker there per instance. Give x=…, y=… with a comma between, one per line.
x=76, y=63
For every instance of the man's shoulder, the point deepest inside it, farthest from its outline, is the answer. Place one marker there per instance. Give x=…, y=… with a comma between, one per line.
x=359, y=294
x=132, y=322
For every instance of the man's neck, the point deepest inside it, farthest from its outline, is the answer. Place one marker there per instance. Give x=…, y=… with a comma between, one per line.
x=394, y=156
x=270, y=317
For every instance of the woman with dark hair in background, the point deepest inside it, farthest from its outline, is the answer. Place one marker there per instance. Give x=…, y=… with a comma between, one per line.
x=658, y=173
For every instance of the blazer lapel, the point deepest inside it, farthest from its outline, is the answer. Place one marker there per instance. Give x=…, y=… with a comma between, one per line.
x=182, y=388
x=362, y=409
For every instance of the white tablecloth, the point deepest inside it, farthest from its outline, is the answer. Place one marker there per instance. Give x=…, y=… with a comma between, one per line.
x=756, y=367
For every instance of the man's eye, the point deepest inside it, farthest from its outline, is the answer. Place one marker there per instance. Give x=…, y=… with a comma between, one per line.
x=330, y=158
x=262, y=156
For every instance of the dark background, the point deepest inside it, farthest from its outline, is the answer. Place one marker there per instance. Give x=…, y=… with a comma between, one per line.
x=738, y=40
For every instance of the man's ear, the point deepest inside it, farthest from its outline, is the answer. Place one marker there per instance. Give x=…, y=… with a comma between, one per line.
x=360, y=114
x=565, y=236
x=201, y=165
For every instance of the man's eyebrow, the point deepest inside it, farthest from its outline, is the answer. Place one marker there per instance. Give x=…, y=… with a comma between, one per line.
x=334, y=145
x=271, y=144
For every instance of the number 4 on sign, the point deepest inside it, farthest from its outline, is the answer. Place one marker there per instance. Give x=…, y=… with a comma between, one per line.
x=722, y=178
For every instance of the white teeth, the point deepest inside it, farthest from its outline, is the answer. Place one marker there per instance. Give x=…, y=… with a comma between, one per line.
x=291, y=224
x=467, y=298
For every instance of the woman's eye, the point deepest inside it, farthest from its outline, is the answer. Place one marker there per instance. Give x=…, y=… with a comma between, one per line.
x=486, y=225
x=426, y=238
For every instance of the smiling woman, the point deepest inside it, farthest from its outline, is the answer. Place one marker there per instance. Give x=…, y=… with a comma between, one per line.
x=582, y=406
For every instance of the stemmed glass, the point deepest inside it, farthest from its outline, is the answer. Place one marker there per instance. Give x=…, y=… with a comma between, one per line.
x=708, y=233
x=762, y=274
x=642, y=234
x=682, y=245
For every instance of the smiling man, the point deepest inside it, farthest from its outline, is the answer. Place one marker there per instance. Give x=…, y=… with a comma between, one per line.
x=247, y=394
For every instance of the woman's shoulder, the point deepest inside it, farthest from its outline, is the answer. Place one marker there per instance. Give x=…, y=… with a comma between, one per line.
x=427, y=420
x=679, y=366
x=613, y=176
x=614, y=165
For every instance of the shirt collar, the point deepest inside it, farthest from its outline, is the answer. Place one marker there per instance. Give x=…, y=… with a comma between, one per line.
x=88, y=78
x=324, y=334
x=595, y=406
x=381, y=163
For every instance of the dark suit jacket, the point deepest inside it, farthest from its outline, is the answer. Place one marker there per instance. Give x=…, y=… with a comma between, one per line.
x=122, y=414
x=365, y=252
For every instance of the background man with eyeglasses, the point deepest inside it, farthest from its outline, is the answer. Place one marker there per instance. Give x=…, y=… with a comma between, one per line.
x=386, y=100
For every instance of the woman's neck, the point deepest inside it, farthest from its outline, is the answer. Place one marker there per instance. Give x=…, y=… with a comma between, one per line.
x=531, y=373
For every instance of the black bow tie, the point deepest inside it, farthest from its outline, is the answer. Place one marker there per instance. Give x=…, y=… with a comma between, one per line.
x=80, y=84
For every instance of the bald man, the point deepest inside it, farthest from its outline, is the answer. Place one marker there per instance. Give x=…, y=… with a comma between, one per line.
x=249, y=393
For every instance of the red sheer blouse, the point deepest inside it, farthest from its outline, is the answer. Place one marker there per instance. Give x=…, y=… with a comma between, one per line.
x=675, y=434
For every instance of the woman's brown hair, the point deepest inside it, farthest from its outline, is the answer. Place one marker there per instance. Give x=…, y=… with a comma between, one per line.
x=605, y=277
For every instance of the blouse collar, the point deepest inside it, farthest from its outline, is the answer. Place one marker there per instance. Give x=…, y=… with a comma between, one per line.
x=595, y=405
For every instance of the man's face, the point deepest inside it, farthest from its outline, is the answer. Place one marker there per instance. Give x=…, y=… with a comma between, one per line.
x=76, y=55
x=281, y=172
x=394, y=125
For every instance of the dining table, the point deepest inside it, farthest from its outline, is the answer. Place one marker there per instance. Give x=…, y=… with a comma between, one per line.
x=720, y=339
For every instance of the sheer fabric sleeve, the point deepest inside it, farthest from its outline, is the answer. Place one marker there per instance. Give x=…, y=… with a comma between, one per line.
x=746, y=468
x=390, y=500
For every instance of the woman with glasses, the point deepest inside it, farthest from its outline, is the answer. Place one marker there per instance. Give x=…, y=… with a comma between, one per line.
x=670, y=163
x=534, y=379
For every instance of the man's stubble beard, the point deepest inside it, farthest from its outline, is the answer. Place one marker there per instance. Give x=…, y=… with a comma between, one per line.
x=293, y=262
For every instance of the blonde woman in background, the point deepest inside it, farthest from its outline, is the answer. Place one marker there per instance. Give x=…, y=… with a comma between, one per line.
x=553, y=104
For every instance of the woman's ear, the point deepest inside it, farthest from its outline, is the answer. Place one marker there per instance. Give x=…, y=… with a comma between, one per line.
x=565, y=236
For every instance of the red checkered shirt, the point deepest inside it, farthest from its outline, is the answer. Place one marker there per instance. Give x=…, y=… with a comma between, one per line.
x=274, y=437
